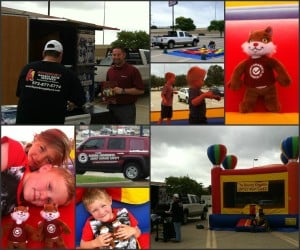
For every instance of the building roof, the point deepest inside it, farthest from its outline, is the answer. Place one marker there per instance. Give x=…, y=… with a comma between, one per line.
x=46, y=18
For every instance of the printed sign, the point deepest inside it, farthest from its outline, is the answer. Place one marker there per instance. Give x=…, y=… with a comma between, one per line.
x=84, y=158
x=253, y=186
x=172, y=3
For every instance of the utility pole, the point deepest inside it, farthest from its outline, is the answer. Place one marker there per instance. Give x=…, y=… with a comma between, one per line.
x=48, y=7
x=103, y=19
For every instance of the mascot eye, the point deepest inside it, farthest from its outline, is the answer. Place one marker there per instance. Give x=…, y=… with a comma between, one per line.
x=250, y=40
x=265, y=40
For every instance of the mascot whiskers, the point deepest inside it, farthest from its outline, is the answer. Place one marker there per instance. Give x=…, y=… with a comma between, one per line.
x=259, y=73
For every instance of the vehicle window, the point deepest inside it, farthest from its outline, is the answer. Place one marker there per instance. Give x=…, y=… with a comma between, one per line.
x=96, y=143
x=107, y=61
x=116, y=143
x=136, y=144
x=181, y=34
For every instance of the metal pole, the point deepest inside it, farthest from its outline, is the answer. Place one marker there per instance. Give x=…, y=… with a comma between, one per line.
x=103, y=20
x=173, y=28
x=48, y=7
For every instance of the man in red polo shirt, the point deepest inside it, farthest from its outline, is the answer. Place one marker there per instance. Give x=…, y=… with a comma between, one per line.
x=129, y=85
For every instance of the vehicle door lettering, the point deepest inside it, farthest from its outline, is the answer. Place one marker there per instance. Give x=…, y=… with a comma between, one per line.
x=83, y=157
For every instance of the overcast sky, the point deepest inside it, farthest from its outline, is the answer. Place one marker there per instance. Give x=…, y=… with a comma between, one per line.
x=182, y=150
x=159, y=69
x=125, y=15
x=201, y=12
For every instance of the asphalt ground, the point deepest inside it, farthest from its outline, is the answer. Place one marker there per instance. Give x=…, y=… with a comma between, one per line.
x=193, y=238
x=158, y=55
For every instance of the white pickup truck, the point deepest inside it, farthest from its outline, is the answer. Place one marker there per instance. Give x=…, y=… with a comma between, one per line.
x=140, y=58
x=193, y=207
x=174, y=38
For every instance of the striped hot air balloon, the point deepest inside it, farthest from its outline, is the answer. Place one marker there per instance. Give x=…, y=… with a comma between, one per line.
x=290, y=147
x=229, y=162
x=216, y=153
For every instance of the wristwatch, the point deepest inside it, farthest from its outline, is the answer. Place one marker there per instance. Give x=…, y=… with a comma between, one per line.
x=123, y=92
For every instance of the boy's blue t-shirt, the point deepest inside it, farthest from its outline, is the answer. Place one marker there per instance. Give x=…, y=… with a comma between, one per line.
x=197, y=113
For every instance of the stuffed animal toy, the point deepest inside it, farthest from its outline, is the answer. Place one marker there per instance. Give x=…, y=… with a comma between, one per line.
x=257, y=72
x=51, y=228
x=19, y=231
x=103, y=230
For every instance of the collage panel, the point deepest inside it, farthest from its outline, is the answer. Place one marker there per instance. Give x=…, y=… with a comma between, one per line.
x=113, y=155
x=227, y=180
x=262, y=78
x=187, y=94
x=112, y=218
x=69, y=63
x=187, y=31
x=37, y=187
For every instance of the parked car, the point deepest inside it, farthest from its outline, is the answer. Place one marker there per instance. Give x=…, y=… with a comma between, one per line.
x=217, y=90
x=183, y=95
x=129, y=155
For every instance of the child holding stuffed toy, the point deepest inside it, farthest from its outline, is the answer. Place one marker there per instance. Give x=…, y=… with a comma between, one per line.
x=167, y=98
x=99, y=204
x=48, y=183
x=195, y=79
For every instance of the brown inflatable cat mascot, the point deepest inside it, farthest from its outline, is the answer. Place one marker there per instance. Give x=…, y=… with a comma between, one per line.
x=257, y=72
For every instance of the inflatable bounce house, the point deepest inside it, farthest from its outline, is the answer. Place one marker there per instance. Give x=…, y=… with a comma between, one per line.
x=135, y=200
x=238, y=194
x=242, y=18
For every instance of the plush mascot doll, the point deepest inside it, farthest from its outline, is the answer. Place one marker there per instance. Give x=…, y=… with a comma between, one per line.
x=51, y=228
x=257, y=72
x=19, y=231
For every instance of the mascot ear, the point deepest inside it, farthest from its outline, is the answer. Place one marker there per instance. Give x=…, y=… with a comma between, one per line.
x=269, y=30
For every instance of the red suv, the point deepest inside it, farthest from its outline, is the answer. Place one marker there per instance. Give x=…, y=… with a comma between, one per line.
x=129, y=155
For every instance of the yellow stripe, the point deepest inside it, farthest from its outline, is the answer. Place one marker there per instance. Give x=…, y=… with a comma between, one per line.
x=257, y=3
x=135, y=195
x=261, y=118
x=184, y=114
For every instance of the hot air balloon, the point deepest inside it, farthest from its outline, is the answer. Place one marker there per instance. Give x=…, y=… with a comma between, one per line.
x=229, y=162
x=216, y=154
x=290, y=148
x=283, y=158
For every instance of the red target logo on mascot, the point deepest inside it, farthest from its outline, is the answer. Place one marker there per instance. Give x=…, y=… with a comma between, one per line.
x=17, y=232
x=51, y=228
x=256, y=70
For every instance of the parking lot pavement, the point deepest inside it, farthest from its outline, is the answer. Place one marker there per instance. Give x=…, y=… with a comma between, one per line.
x=158, y=55
x=193, y=238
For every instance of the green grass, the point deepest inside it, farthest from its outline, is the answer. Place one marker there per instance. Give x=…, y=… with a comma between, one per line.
x=93, y=179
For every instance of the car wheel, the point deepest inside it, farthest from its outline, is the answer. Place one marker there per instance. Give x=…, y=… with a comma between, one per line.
x=132, y=171
x=187, y=100
x=171, y=45
x=194, y=43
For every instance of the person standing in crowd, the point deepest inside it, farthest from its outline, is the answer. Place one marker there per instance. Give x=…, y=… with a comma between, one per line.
x=47, y=90
x=129, y=85
x=176, y=211
x=167, y=98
